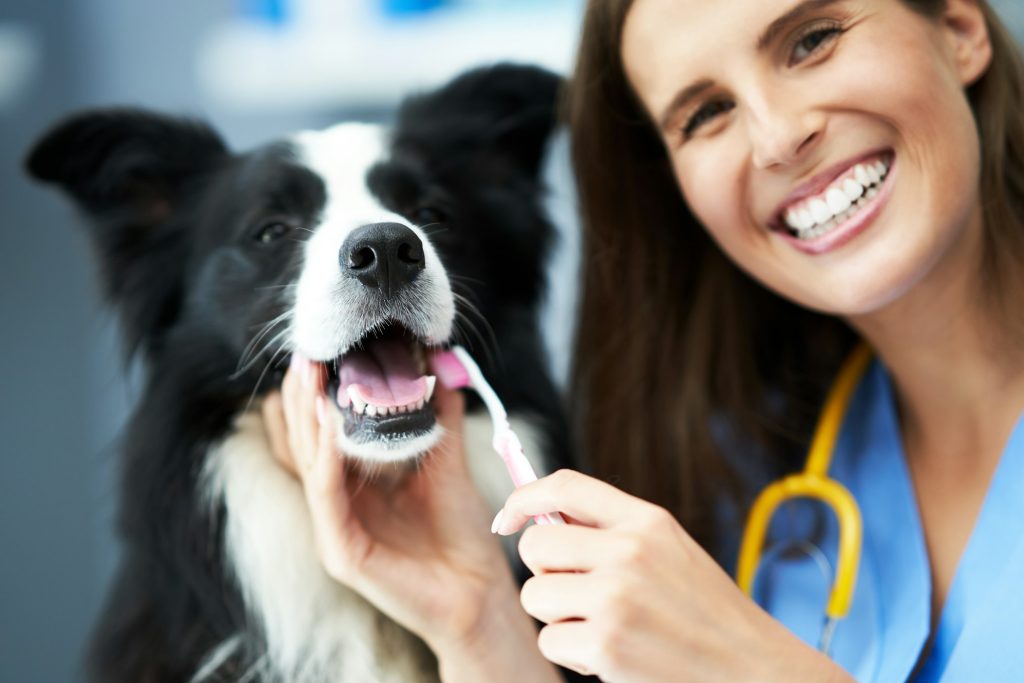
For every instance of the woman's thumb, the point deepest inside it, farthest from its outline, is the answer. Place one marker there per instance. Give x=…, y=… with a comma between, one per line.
x=450, y=407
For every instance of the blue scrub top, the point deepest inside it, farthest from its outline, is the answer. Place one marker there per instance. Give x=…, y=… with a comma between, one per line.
x=980, y=634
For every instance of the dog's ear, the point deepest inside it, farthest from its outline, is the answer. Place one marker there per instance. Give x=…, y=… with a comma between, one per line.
x=506, y=109
x=131, y=171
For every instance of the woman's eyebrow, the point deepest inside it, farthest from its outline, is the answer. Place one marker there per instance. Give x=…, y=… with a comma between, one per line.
x=792, y=16
x=681, y=99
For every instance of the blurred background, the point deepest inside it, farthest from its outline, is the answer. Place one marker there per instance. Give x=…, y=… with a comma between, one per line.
x=256, y=69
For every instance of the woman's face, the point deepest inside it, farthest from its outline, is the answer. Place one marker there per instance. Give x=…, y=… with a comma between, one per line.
x=826, y=145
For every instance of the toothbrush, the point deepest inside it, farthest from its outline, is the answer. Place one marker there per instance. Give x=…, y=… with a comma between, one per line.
x=456, y=369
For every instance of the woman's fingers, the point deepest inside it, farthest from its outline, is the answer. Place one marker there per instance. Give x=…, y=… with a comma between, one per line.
x=585, y=499
x=300, y=389
x=562, y=596
x=450, y=408
x=572, y=644
x=341, y=539
x=566, y=548
x=327, y=468
x=309, y=424
x=277, y=430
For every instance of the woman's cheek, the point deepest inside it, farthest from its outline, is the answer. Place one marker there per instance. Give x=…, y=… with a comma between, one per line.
x=710, y=190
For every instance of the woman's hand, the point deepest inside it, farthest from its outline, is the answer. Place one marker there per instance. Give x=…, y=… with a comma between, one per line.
x=414, y=541
x=627, y=595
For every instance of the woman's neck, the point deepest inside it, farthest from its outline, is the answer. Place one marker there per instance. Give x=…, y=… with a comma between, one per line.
x=956, y=389
x=959, y=377
x=959, y=384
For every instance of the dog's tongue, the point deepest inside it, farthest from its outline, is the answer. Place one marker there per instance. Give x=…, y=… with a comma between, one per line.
x=383, y=374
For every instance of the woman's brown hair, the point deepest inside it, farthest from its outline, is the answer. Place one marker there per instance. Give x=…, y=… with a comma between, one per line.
x=680, y=357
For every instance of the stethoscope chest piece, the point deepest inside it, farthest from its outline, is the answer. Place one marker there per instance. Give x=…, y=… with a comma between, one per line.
x=814, y=483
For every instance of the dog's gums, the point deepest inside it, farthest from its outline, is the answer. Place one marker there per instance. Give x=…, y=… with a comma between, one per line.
x=381, y=388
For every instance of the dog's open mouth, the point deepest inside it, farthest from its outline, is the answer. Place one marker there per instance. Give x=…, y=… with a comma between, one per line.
x=382, y=388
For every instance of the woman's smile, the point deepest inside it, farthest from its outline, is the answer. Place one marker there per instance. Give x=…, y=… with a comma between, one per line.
x=816, y=221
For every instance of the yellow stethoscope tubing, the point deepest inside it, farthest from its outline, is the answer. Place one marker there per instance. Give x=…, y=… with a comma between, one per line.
x=814, y=482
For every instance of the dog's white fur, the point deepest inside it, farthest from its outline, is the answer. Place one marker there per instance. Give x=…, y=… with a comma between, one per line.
x=332, y=312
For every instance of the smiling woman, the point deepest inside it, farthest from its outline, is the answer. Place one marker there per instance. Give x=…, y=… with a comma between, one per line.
x=763, y=185
x=830, y=92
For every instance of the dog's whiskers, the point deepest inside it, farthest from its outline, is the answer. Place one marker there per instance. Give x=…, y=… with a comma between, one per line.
x=434, y=227
x=249, y=354
x=284, y=348
x=460, y=279
x=488, y=344
x=288, y=285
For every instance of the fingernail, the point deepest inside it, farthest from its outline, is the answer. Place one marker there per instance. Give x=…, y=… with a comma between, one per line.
x=296, y=359
x=321, y=410
x=497, y=521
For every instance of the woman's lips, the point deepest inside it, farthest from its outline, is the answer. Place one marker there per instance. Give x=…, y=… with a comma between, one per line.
x=849, y=228
x=816, y=199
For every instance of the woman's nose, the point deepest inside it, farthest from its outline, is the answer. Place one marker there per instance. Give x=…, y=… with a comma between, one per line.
x=781, y=135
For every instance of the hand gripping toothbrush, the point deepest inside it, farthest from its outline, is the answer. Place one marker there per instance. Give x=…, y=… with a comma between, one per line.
x=456, y=369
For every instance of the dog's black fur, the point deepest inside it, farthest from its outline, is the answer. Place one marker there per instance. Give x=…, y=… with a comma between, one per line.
x=194, y=255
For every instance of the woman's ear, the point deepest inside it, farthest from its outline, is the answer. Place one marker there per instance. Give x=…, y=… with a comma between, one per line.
x=967, y=32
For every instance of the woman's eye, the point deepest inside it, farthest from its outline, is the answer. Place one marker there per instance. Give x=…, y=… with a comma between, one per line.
x=427, y=215
x=706, y=113
x=272, y=231
x=812, y=42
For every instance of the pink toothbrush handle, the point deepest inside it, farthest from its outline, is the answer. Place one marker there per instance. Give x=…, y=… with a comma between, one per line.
x=511, y=451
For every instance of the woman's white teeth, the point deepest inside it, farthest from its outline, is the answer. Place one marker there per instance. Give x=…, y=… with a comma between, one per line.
x=837, y=201
x=853, y=189
x=361, y=407
x=804, y=219
x=860, y=174
x=819, y=210
x=841, y=200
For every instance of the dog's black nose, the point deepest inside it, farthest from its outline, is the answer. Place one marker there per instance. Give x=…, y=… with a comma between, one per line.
x=386, y=256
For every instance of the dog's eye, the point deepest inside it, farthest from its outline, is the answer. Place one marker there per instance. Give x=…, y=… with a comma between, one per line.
x=271, y=232
x=427, y=215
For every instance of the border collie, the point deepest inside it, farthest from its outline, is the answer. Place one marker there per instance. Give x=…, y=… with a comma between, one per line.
x=359, y=244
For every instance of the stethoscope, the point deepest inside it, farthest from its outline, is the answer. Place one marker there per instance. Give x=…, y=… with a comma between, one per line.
x=814, y=482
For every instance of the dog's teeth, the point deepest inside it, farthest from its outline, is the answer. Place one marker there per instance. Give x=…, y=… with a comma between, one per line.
x=371, y=410
x=358, y=405
x=392, y=410
x=419, y=404
x=431, y=380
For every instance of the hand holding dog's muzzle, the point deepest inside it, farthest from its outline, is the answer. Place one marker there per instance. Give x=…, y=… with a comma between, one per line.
x=413, y=541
